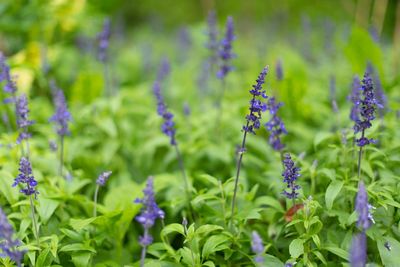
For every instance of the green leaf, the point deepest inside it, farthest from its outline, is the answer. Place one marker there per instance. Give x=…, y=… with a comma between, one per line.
x=338, y=251
x=332, y=191
x=213, y=244
x=296, y=248
x=46, y=208
x=172, y=228
x=389, y=258
x=6, y=180
x=43, y=259
x=208, y=228
x=77, y=247
x=79, y=224
x=272, y=261
x=270, y=201
x=81, y=259
x=209, y=264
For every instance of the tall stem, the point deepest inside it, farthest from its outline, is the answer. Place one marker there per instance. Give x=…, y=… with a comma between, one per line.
x=143, y=257
x=359, y=158
x=239, y=163
x=34, y=220
x=219, y=104
x=185, y=181
x=60, y=167
x=95, y=201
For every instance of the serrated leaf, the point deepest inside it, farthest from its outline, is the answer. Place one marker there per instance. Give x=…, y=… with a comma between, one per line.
x=172, y=228
x=208, y=228
x=77, y=247
x=212, y=245
x=46, y=208
x=79, y=224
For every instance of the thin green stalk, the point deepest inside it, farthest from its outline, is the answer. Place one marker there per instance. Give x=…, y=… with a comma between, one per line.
x=143, y=257
x=34, y=220
x=95, y=201
x=239, y=163
x=185, y=181
x=222, y=201
x=359, y=157
x=60, y=167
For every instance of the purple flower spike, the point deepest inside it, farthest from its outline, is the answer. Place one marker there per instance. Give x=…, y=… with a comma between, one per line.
x=358, y=250
x=290, y=174
x=25, y=178
x=256, y=105
x=212, y=33
x=103, y=177
x=103, y=39
x=22, y=118
x=275, y=125
x=367, y=105
x=8, y=245
x=149, y=213
x=257, y=247
x=168, y=127
x=164, y=70
x=62, y=115
x=225, y=52
x=9, y=86
x=363, y=208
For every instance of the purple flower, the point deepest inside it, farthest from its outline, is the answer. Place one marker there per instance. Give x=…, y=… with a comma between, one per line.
x=186, y=109
x=149, y=212
x=363, y=208
x=290, y=174
x=53, y=145
x=168, y=127
x=9, y=86
x=103, y=39
x=225, y=52
x=354, y=97
x=62, y=116
x=256, y=105
x=25, y=178
x=164, y=70
x=257, y=247
x=8, y=245
x=367, y=105
x=103, y=177
x=212, y=33
x=279, y=70
x=275, y=125
x=22, y=118
x=358, y=250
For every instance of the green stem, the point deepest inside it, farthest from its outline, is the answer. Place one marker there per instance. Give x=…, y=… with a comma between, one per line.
x=95, y=201
x=185, y=181
x=34, y=221
x=239, y=163
x=359, y=158
x=60, y=167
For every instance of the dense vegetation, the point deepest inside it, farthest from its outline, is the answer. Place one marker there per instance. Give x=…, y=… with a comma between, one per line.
x=223, y=142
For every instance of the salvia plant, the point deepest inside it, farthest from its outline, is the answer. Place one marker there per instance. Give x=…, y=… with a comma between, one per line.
x=241, y=205
x=61, y=118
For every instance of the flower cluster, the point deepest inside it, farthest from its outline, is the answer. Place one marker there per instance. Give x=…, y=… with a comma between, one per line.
x=103, y=177
x=22, y=118
x=103, y=39
x=8, y=245
x=363, y=208
x=212, y=33
x=225, y=52
x=366, y=105
x=275, y=125
x=354, y=97
x=168, y=127
x=290, y=174
x=256, y=105
x=62, y=116
x=5, y=76
x=149, y=213
x=257, y=247
x=25, y=177
x=358, y=250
